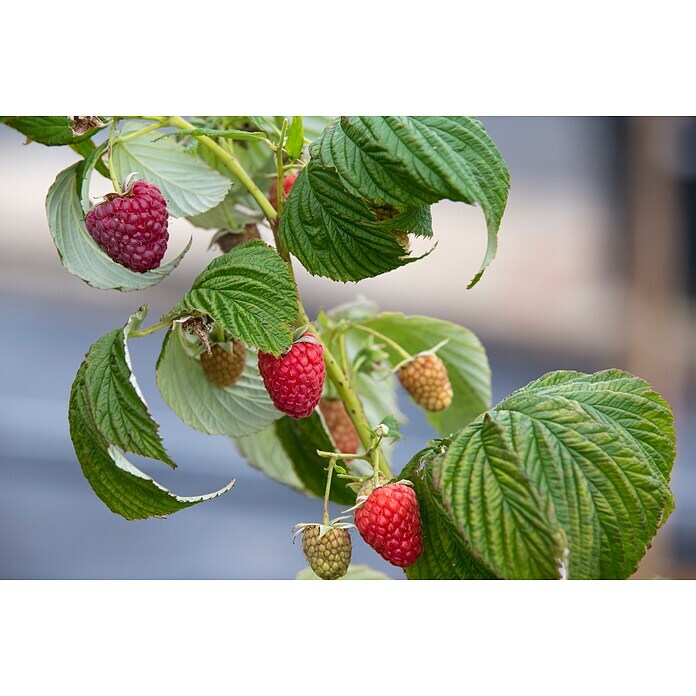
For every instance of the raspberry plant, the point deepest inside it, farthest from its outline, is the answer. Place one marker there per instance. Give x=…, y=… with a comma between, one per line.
x=566, y=477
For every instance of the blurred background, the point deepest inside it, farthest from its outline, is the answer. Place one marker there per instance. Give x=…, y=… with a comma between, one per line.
x=596, y=268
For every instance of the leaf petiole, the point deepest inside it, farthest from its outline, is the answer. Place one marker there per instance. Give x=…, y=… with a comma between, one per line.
x=112, y=171
x=138, y=133
x=382, y=337
x=151, y=330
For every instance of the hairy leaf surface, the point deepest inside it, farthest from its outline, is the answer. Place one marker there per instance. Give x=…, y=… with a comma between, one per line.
x=107, y=414
x=407, y=161
x=572, y=468
x=250, y=292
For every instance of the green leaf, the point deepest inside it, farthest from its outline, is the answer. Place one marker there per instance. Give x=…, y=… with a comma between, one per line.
x=239, y=410
x=301, y=438
x=313, y=125
x=334, y=234
x=230, y=134
x=406, y=161
x=79, y=253
x=265, y=451
x=250, y=292
x=495, y=504
x=573, y=467
x=416, y=221
x=48, y=130
x=118, y=406
x=446, y=554
x=267, y=124
x=106, y=414
x=463, y=356
x=599, y=449
x=295, y=140
x=649, y=422
x=85, y=148
x=187, y=183
x=355, y=572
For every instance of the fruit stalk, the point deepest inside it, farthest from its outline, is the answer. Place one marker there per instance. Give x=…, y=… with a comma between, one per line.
x=352, y=402
x=327, y=492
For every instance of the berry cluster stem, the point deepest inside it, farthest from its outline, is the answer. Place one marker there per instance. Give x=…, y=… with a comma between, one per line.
x=352, y=403
x=350, y=398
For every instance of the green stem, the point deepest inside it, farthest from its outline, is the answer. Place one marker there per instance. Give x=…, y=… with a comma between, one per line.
x=342, y=455
x=232, y=164
x=151, y=330
x=332, y=462
x=112, y=171
x=138, y=133
x=382, y=337
x=351, y=401
x=279, y=166
x=345, y=364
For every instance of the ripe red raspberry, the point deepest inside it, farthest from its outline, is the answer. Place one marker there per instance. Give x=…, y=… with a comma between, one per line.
x=340, y=426
x=295, y=380
x=288, y=182
x=132, y=228
x=389, y=521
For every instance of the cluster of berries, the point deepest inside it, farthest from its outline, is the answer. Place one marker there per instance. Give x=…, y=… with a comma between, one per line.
x=132, y=229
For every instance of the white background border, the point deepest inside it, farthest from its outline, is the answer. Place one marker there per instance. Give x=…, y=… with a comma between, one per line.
x=491, y=58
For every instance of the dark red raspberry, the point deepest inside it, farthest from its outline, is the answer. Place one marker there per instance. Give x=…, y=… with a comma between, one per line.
x=390, y=522
x=132, y=228
x=295, y=380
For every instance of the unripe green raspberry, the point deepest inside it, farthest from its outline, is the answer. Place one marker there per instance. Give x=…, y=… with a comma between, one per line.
x=328, y=557
x=225, y=363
